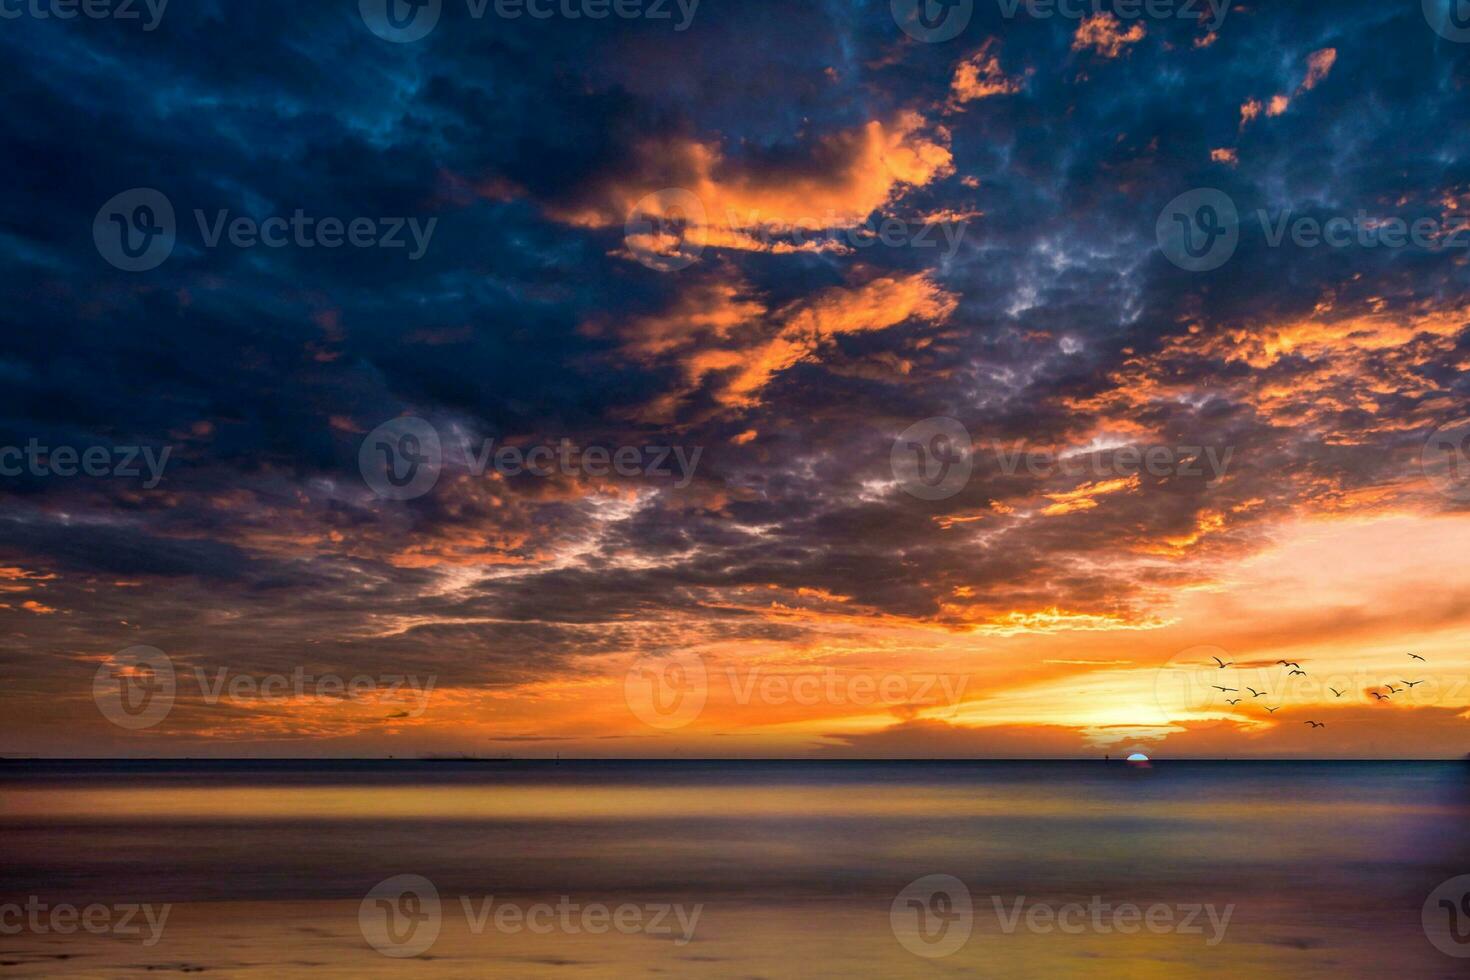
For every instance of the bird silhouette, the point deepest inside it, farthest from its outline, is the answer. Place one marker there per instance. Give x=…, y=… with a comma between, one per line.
x=1296, y=673
x=1222, y=663
x=1413, y=683
x=1255, y=693
x=1381, y=697
x=1315, y=724
x=1272, y=711
x=1335, y=691
x=1227, y=690
x=1288, y=663
x=1416, y=656
x=1232, y=701
x=1394, y=690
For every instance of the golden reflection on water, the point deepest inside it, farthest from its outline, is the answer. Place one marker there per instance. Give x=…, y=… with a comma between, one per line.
x=431, y=802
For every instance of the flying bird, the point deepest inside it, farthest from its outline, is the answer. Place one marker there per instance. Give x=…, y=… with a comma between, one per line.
x=1222, y=663
x=1394, y=690
x=1315, y=724
x=1335, y=691
x=1232, y=700
x=1413, y=683
x=1416, y=656
x=1381, y=697
x=1255, y=693
x=1272, y=711
x=1288, y=663
x=1227, y=690
x=1296, y=673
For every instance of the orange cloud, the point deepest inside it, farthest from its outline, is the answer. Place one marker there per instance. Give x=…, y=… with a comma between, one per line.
x=981, y=76
x=705, y=311
x=723, y=336
x=1319, y=65
x=808, y=324
x=1102, y=33
x=1085, y=496
x=845, y=177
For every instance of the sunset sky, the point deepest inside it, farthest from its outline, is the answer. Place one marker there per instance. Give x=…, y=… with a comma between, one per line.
x=647, y=237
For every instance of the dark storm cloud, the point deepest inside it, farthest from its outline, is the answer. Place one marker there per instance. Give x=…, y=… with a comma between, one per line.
x=264, y=367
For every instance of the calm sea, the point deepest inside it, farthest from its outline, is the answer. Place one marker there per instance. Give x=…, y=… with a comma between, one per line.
x=730, y=869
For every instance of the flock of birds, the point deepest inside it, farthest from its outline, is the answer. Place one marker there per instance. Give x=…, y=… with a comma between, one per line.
x=1296, y=671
